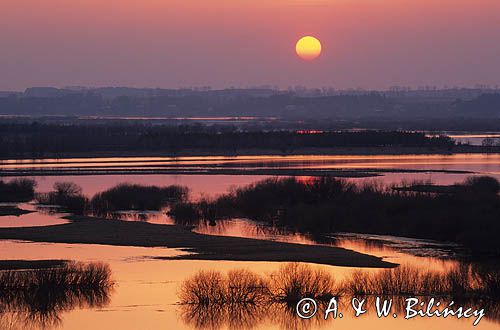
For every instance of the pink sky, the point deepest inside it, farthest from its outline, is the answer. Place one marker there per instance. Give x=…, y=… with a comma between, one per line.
x=241, y=43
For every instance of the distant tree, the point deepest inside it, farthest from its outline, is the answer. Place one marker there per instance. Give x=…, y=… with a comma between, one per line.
x=67, y=189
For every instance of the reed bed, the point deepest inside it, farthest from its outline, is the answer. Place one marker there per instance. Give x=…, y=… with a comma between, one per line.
x=463, y=282
x=43, y=293
x=70, y=276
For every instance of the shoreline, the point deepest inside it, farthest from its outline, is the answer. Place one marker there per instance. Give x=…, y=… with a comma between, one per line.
x=31, y=264
x=87, y=230
x=13, y=211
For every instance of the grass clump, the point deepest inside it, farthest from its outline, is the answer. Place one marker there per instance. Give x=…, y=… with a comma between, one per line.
x=70, y=276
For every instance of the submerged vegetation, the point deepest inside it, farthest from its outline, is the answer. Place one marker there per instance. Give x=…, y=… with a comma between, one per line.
x=211, y=299
x=237, y=287
x=291, y=283
x=69, y=276
x=465, y=213
x=36, y=297
x=241, y=299
x=294, y=281
x=463, y=282
x=17, y=190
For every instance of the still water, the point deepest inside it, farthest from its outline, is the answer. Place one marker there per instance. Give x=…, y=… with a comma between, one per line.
x=34, y=217
x=146, y=291
x=145, y=296
x=97, y=174
x=375, y=164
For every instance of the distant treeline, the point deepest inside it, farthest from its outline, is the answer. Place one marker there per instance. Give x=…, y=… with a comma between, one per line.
x=285, y=105
x=202, y=105
x=37, y=140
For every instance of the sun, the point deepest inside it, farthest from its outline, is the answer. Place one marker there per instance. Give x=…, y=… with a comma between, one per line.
x=308, y=48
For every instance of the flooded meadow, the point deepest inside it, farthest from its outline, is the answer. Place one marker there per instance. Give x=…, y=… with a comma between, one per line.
x=147, y=287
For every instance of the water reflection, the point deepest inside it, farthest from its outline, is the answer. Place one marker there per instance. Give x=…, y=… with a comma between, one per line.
x=240, y=227
x=418, y=252
x=244, y=317
x=282, y=316
x=242, y=299
x=439, y=164
x=156, y=217
x=146, y=294
x=35, y=216
x=207, y=298
x=31, y=299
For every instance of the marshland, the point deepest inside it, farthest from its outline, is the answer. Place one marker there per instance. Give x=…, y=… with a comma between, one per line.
x=253, y=295
x=36, y=297
x=207, y=165
x=357, y=224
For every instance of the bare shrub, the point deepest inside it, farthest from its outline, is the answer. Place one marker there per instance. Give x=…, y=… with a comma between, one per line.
x=203, y=288
x=245, y=287
x=295, y=281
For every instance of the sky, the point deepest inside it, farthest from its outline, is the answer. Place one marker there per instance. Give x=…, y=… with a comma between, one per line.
x=371, y=44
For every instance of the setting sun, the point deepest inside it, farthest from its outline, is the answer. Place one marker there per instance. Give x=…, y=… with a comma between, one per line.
x=308, y=48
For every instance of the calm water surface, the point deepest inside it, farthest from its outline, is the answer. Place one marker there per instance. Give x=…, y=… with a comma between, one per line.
x=145, y=296
x=36, y=217
x=128, y=169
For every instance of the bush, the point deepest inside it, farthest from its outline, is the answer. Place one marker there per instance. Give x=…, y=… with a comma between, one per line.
x=136, y=197
x=185, y=213
x=17, y=190
x=67, y=195
x=37, y=297
x=482, y=184
x=328, y=204
x=204, y=288
x=295, y=281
